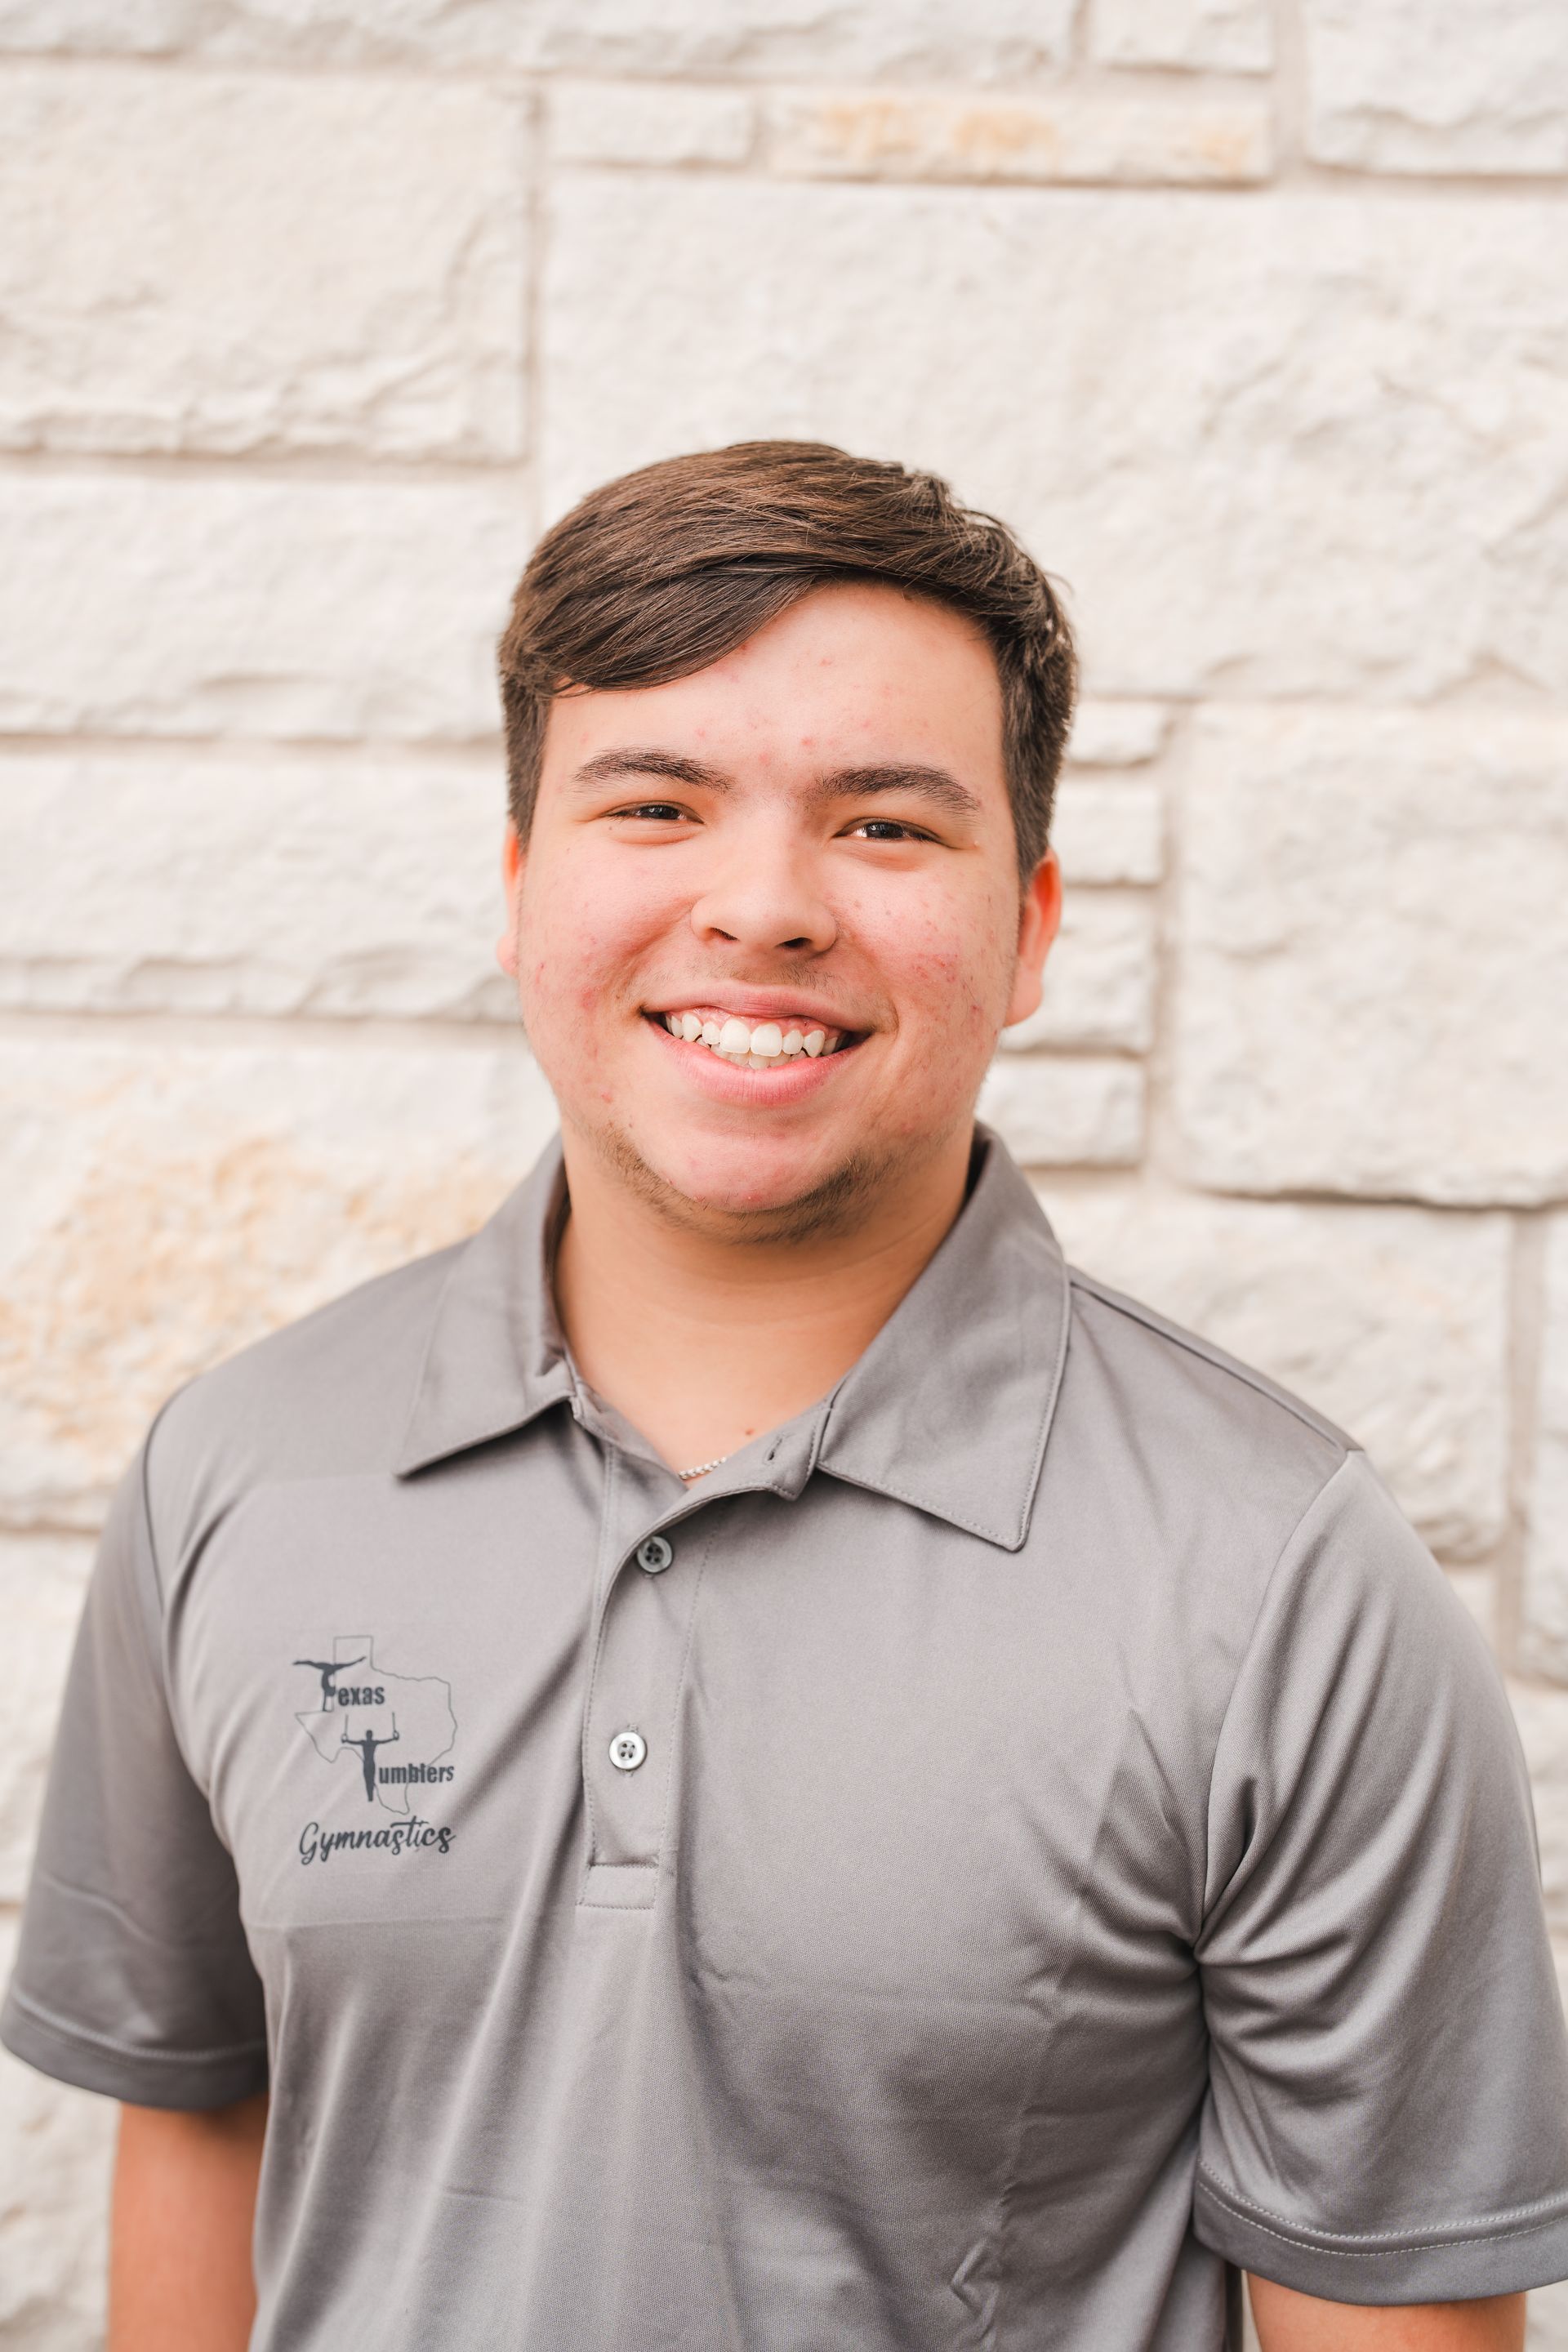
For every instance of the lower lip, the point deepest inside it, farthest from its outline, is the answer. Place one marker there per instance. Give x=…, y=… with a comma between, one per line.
x=800, y=1076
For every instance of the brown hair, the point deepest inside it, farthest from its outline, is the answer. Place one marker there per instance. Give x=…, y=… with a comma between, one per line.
x=656, y=575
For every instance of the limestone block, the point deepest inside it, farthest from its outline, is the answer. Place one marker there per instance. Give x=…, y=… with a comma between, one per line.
x=1100, y=980
x=1473, y=85
x=1268, y=503
x=1108, y=833
x=1374, y=958
x=42, y=1579
x=315, y=885
x=1541, y=1715
x=202, y=262
x=639, y=123
x=161, y=1205
x=55, y=2149
x=882, y=135
x=1547, y=2329
x=1544, y=1628
x=1063, y=1112
x=1226, y=36
x=1118, y=734
x=988, y=41
x=1394, y=1322
x=270, y=607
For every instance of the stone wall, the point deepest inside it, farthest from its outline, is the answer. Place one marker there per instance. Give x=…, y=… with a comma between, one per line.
x=1252, y=313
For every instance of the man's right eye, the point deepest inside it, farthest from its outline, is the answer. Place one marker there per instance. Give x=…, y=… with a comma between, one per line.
x=662, y=809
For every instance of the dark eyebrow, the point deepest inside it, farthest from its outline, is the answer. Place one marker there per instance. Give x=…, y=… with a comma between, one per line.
x=932, y=785
x=673, y=766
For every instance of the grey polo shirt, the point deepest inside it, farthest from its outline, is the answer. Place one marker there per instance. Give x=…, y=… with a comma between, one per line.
x=1027, y=1836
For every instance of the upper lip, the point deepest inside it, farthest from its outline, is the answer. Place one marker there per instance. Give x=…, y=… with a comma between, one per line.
x=754, y=1005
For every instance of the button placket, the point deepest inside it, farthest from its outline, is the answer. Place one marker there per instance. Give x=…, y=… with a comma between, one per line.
x=629, y=1736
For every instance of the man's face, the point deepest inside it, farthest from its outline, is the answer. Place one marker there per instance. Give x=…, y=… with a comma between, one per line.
x=803, y=860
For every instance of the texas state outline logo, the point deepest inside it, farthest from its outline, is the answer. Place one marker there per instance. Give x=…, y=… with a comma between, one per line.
x=385, y=1735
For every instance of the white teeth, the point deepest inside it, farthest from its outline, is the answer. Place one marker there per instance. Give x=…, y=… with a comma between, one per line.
x=762, y=1048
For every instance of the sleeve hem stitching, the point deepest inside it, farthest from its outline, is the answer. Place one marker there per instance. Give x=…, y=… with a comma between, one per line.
x=1364, y=2246
x=137, y=2050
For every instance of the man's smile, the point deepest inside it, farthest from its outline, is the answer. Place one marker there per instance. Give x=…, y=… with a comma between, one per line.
x=754, y=1045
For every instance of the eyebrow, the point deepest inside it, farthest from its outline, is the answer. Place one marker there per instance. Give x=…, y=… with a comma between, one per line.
x=673, y=766
x=933, y=784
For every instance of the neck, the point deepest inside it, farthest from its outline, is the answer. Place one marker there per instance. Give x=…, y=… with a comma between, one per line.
x=703, y=1341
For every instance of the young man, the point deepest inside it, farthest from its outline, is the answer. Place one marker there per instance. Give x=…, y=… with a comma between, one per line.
x=928, y=1807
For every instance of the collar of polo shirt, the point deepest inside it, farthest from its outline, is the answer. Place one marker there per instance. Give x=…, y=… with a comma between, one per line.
x=949, y=1407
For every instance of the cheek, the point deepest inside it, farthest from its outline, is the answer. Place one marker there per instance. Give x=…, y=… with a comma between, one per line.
x=946, y=965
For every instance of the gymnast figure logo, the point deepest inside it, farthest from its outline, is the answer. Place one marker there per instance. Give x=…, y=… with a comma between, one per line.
x=364, y=1710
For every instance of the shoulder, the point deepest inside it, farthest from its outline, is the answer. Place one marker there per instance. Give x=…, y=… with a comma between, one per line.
x=1220, y=1460
x=326, y=1396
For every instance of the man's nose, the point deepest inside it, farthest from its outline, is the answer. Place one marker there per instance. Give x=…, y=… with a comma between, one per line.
x=765, y=894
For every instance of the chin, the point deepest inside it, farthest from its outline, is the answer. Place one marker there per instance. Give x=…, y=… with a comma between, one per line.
x=772, y=1192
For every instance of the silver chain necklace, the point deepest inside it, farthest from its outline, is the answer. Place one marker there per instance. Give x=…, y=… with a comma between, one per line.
x=701, y=1469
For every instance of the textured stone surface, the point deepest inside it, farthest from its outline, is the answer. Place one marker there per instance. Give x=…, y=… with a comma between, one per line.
x=1541, y=1715
x=639, y=122
x=1548, y=2327
x=1374, y=958
x=1229, y=35
x=162, y=1206
x=1472, y=86
x=161, y=605
x=881, y=135
x=990, y=40
x=1108, y=833
x=55, y=2155
x=1118, y=734
x=1060, y=1112
x=352, y=277
x=243, y=885
x=1392, y=1321
x=1100, y=981
x=42, y=1579
x=1220, y=423
x=1545, y=1607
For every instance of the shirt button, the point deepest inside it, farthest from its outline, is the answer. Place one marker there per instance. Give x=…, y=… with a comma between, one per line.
x=628, y=1749
x=655, y=1555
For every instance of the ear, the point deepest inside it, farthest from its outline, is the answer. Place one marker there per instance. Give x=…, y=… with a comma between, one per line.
x=511, y=863
x=1040, y=917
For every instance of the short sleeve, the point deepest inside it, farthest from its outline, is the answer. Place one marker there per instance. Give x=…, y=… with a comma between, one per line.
x=134, y=1977
x=1388, y=2119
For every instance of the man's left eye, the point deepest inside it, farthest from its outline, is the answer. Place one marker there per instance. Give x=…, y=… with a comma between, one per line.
x=887, y=828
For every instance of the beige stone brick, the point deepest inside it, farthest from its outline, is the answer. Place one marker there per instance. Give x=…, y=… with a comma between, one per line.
x=641, y=122
x=42, y=1579
x=1544, y=1628
x=273, y=607
x=1057, y=1111
x=1541, y=1715
x=55, y=2147
x=1108, y=833
x=1100, y=980
x=1394, y=1322
x=882, y=134
x=1225, y=35
x=161, y=1205
x=203, y=262
x=1118, y=734
x=1475, y=86
x=1217, y=421
x=310, y=885
x=1547, y=2329
x=990, y=40
x=1373, y=962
